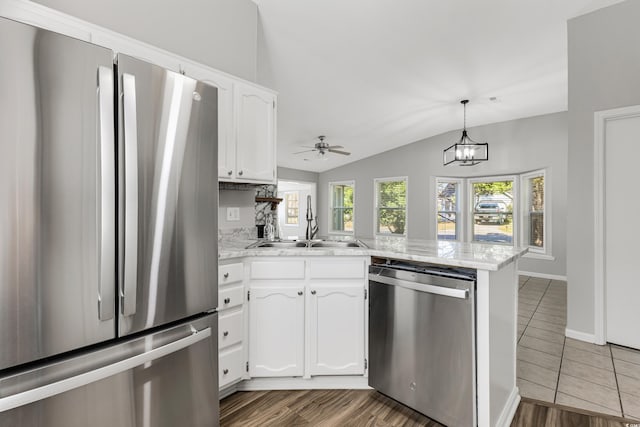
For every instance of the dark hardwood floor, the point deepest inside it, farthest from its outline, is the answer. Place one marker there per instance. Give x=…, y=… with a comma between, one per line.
x=351, y=408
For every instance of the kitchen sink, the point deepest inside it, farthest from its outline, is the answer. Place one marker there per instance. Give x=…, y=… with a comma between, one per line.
x=286, y=244
x=282, y=244
x=337, y=244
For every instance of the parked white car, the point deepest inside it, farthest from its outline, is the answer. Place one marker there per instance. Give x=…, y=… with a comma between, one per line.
x=490, y=212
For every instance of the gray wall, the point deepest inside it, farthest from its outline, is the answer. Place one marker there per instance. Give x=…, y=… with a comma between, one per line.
x=604, y=73
x=297, y=175
x=219, y=33
x=515, y=146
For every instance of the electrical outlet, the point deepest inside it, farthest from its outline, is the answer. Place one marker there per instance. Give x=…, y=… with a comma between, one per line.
x=233, y=214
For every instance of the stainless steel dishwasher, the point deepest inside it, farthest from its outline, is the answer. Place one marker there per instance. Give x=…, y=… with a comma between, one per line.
x=422, y=338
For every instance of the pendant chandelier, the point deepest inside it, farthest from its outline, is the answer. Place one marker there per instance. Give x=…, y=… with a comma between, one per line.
x=466, y=152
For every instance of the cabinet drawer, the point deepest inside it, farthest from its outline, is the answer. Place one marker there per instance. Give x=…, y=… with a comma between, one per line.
x=230, y=297
x=290, y=269
x=230, y=366
x=337, y=268
x=230, y=273
x=230, y=329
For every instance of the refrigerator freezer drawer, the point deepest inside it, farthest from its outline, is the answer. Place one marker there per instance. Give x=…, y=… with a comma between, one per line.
x=164, y=379
x=231, y=365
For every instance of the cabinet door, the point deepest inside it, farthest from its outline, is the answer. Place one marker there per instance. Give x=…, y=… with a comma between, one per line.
x=226, y=143
x=336, y=322
x=255, y=134
x=276, y=331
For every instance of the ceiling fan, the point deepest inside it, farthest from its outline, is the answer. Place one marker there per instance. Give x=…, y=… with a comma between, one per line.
x=322, y=148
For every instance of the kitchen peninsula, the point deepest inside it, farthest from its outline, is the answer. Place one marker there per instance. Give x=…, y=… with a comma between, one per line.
x=495, y=311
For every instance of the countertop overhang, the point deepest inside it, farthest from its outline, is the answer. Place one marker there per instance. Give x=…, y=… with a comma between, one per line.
x=480, y=256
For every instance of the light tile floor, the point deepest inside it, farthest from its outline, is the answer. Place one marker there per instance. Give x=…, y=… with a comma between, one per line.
x=565, y=371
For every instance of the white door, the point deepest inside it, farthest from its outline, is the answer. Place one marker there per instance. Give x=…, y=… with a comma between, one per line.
x=276, y=331
x=622, y=231
x=336, y=330
x=292, y=211
x=255, y=134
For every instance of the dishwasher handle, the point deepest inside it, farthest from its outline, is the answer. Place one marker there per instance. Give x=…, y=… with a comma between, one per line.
x=421, y=287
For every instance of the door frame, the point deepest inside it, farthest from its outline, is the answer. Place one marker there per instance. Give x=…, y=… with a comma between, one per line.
x=599, y=204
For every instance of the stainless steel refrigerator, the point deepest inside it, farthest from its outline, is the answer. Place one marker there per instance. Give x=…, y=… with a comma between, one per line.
x=108, y=238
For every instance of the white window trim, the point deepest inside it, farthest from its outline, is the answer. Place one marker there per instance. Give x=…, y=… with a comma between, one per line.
x=460, y=207
x=545, y=251
x=406, y=208
x=330, y=213
x=516, y=208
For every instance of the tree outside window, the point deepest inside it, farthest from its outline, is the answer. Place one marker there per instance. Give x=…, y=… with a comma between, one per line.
x=391, y=206
x=341, y=208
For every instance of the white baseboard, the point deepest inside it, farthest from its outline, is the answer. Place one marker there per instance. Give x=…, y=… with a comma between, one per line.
x=345, y=383
x=228, y=391
x=542, y=275
x=580, y=336
x=509, y=409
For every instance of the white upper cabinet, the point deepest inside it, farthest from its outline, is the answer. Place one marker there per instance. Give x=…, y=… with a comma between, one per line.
x=255, y=134
x=226, y=145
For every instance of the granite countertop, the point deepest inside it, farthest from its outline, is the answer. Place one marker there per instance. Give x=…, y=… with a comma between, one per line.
x=470, y=255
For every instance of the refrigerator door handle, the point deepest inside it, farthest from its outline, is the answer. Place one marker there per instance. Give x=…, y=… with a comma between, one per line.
x=67, y=384
x=130, y=258
x=106, y=209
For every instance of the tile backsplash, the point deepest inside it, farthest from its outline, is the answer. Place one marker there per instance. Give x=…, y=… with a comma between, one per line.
x=252, y=213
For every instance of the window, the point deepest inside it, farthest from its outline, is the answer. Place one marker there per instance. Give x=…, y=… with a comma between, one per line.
x=533, y=211
x=341, y=212
x=447, y=209
x=391, y=206
x=492, y=210
x=292, y=204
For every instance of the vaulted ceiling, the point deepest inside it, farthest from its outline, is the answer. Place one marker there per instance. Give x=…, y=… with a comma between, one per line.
x=373, y=75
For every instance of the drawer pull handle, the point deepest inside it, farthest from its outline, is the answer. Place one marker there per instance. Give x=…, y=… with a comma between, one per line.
x=226, y=275
x=299, y=292
x=227, y=300
x=225, y=333
x=225, y=371
x=240, y=173
x=229, y=173
x=313, y=292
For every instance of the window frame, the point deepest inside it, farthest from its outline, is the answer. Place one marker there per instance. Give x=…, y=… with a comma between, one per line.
x=376, y=181
x=460, y=209
x=351, y=183
x=286, y=208
x=515, y=213
x=534, y=251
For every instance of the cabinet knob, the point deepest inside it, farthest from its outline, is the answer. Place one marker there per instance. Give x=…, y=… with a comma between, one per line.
x=313, y=292
x=225, y=333
x=230, y=173
x=240, y=173
x=299, y=292
x=226, y=275
x=225, y=371
x=227, y=300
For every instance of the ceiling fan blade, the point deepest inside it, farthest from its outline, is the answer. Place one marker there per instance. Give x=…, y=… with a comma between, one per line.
x=304, y=151
x=344, y=153
x=331, y=147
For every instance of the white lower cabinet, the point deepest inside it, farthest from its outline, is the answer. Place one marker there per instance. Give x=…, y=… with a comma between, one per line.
x=336, y=330
x=231, y=323
x=309, y=320
x=276, y=331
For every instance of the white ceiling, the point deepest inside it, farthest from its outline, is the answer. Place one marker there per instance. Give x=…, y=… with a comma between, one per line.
x=373, y=75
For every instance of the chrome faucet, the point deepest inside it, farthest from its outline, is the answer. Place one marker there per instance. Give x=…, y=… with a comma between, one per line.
x=311, y=229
